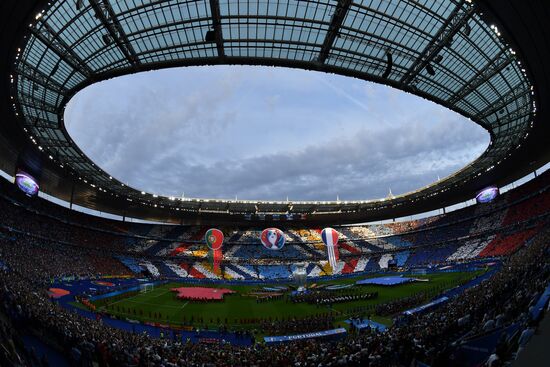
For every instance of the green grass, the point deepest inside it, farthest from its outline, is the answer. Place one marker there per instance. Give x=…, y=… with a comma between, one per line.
x=241, y=306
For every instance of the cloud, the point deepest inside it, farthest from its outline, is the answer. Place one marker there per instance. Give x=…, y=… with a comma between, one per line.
x=267, y=133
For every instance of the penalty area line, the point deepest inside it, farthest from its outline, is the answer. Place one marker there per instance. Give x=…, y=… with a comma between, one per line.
x=124, y=299
x=162, y=294
x=153, y=304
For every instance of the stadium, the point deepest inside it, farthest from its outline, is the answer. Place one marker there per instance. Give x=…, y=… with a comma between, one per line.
x=95, y=271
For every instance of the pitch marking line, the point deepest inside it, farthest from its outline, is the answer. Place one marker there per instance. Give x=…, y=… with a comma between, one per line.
x=153, y=304
x=131, y=299
x=162, y=294
x=124, y=299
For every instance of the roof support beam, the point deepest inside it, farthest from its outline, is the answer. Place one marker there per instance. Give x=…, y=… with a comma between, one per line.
x=33, y=102
x=456, y=20
x=517, y=92
x=41, y=123
x=69, y=160
x=89, y=175
x=107, y=16
x=217, y=25
x=51, y=39
x=493, y=67
x=48, y=142
x=36, y=76
x=334, y=29
x=514, y=116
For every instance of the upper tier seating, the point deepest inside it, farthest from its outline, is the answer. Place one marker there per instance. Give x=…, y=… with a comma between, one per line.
x=481, y=231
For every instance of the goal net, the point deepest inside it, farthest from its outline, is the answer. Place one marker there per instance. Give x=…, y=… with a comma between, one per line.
x=143, y=288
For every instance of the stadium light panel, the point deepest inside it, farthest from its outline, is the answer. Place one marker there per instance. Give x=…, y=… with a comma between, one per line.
x=389, y=65
x=106, y=39
x=467, y=30
x=430, y=70
x=210, y=36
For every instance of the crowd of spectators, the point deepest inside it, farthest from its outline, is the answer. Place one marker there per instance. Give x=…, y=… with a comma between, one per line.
x=19, y=218
x=392, y=307
x=38, y=216
x=502, y=299
x=43, y=248
x=294, y=325
x=53, y=260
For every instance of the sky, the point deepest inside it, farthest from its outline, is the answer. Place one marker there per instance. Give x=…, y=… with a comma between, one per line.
x=267, y=133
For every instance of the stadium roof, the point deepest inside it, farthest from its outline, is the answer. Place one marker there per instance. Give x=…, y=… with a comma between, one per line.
x=470, y=56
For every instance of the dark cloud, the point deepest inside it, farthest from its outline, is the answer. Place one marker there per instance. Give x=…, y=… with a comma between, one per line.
x=363, y=167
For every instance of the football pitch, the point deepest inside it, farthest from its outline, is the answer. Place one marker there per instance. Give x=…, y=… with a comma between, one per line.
x=242, y=310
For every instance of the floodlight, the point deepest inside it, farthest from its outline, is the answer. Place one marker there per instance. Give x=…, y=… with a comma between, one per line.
x=467, y=30
x=430, y=69
x=210, y=36
x=106, y=39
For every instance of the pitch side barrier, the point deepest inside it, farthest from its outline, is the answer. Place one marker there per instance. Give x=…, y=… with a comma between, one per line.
x=333, y=334
x=362, y=324
x=427, y=306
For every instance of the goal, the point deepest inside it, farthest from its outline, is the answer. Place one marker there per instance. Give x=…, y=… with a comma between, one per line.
x=144, y=288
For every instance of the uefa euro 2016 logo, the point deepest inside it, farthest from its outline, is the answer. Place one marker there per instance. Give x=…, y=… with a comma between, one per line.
x=272, y=238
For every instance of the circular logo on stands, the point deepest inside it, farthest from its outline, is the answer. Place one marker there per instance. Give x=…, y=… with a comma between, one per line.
x=26, y=183
x=214, y=239
x=272, y=238
x=487, y=195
